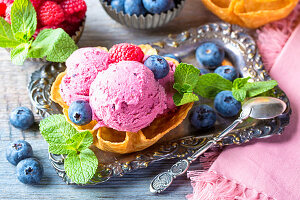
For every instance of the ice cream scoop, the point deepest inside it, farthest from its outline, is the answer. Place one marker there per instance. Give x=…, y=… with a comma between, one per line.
x=126, y=97
x=82, y=68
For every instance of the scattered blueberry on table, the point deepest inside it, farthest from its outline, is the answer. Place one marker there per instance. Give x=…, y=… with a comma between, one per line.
x=80, y=112
x=226, y=104
x=30, y=171
x=22, y=118
x=17, y=151
x=173, y=56
x=210, y=55
x=227, y=72
x=158, y=65
x=203, y=117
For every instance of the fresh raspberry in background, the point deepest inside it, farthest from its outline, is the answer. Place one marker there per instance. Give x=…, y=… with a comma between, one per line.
x=3, y=6
x=50, y=14
x=58, y=1
x=2, y=9
x=125, y=51
x=36, y=4
x=74, y=10
x=7, y=13
x=70, y=28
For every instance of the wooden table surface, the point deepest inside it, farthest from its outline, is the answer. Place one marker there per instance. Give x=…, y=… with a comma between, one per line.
x=100, y=30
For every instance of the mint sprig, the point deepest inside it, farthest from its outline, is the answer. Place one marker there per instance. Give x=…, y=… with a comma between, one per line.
x=56, y=45
x=81, y=162
x=189, y=84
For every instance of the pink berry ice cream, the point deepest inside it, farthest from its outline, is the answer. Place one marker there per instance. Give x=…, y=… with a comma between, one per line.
x=167, y=83
x=82, y=68
x=126, y=97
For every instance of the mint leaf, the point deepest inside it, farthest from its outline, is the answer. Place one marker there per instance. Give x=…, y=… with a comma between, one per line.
x=82, y=140
x=81, y=167
x=55, y=129
x=209, y=85
x=56, y=44
x=240, y=82
x=256, y=88
x=61, y=148
x=181, y=99
x=7, y=39
x=185, y=77
x=19, y=54
x=23, y=20
x=239, y=94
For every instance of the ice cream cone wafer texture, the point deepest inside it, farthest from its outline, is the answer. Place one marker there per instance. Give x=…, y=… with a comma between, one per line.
x=131, y=109
x=250, y=13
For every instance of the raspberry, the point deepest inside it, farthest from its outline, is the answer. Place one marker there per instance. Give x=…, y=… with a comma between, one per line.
x=70, y=28
x=2, y=9
x=7, y=13
x=125, y=51
x=50, y=14
x=74, y=10
x=36, y=4
x=58, y=1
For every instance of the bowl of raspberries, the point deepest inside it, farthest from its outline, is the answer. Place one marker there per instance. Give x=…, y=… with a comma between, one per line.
x=143, y=14
x=52, y=14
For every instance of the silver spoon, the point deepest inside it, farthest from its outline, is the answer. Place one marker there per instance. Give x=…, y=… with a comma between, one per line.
x=257, y=108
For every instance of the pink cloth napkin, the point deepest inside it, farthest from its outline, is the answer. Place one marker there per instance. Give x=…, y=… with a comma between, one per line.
x=266, y=169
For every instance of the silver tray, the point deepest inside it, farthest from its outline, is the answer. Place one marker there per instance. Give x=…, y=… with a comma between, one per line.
x=240, y=49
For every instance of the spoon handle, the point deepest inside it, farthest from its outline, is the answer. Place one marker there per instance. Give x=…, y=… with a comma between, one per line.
x=163, y=180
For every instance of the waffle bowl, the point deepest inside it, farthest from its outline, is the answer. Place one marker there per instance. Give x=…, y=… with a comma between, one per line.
x=108, y=139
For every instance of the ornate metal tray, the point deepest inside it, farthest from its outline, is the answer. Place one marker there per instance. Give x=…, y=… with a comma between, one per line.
x=240, y=49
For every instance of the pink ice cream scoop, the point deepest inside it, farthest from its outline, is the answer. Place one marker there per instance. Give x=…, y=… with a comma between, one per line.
x=126, y=97
x=167, y=83
x=82, y=68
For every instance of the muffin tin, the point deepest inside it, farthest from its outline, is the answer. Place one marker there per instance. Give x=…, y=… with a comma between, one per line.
x=240, y=49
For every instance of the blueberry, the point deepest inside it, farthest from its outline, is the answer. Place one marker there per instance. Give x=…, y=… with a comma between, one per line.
x=203, y=117
x=132, y=7
x=210, y=55
x=157, y=6
x=204, y=71
x=118, y=5
x=171, y=5
x=80, y=112
x=30, y=171
x=226, y=104
x=227, y=72
x=18, y=151
x=158, y=65
x=21, y=118
x=172, y=56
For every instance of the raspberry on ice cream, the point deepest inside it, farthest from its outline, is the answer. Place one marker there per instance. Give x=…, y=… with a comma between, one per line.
x=82, y=68
x=125, y=51
x=126, y=97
